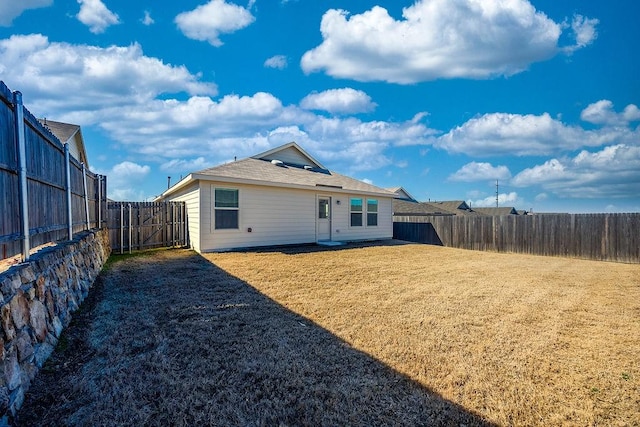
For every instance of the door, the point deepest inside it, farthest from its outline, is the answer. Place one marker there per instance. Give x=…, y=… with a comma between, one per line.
x=323, y=218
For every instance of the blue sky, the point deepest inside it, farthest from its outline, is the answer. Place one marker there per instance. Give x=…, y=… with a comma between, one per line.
x=441, y=97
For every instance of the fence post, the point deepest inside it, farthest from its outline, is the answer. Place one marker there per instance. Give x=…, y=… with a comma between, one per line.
x=130, y=228
x=99, y=182
x=67, y=172
x=186, y=224
x=22, y=173
x=86, y=196
x=106, y=200
x=121, y=228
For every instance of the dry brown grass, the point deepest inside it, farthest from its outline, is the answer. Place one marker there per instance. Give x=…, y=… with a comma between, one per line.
x=521, y=340
x=169, y=339
x=367, y=335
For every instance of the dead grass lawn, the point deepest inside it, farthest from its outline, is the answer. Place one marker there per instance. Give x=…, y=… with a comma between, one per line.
x=168, y=339
x=372, y=334
x=520, y=340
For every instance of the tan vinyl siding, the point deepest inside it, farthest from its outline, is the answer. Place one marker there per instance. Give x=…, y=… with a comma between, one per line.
x=191, y=196
x=276, y=216
x=341, y=220
x=289, y=155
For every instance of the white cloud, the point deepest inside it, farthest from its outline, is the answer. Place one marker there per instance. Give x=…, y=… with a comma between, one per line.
x=11, y=9
x=541, y=197
x=439, y=39
x=602, y=113
x=278, y=61
x=612, y=172
x=336, y=101
x=363, y=156
x=124, y=180
x=185, y=165
x=75, y=80
x=584, y=31
x=504, y=199
x=95, y=15
x=140, y=104
x=147, y=19
x=241, y=126
x=475, y=171
x=521, y=135
x=206, y=22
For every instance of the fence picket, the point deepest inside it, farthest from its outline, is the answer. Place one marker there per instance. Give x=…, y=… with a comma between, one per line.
x=46, y=185
x=606, y=237
x=152, y=225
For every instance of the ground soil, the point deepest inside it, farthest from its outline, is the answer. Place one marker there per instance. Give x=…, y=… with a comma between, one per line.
x=374, y=334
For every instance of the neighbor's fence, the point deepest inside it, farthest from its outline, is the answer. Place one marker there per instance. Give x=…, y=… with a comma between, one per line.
x=145, y=225
x=46, y=195
x=606, y=237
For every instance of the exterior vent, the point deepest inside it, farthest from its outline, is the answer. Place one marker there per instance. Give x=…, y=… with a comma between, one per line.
x=277, y=162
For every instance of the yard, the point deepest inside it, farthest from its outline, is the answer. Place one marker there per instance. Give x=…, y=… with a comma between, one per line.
x=372, y=334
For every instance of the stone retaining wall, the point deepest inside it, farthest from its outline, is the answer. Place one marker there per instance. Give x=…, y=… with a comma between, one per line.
x=36, y=302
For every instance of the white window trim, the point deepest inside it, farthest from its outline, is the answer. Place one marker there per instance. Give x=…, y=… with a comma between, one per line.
x=365, y=213
x=366, y=223
x=213, y=216
x=361, y=212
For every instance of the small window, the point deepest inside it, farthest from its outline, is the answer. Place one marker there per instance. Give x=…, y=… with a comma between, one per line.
x=323, y=208
x=372, y=212
x=356, y=212
x=226, y=208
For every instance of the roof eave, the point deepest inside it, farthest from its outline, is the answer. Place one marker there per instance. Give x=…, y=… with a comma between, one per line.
x=231, y=180
x=175, y=187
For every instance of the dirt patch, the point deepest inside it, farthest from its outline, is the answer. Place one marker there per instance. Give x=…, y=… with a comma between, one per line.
x=168, y=338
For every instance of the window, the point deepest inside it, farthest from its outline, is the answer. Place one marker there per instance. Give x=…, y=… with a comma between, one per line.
x=372, y=212
x=226, y=208
x=323, y=208
x=356, y=212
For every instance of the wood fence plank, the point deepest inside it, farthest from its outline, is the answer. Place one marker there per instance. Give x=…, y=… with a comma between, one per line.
x=608, y=237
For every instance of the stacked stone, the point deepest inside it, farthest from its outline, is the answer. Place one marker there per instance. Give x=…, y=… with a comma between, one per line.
x=37, y=299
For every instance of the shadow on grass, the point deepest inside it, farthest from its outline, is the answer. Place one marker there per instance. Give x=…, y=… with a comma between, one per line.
x=313, y=247
x=171, y=339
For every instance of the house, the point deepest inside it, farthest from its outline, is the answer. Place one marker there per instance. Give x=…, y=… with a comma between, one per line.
x=448, y=208
x=497, y=211
x=279, y=197
x=70, y=135
x=402, y=194
x=457, y=207
x=407, y=208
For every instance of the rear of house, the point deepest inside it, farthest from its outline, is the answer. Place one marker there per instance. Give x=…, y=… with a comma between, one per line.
x=280, y=197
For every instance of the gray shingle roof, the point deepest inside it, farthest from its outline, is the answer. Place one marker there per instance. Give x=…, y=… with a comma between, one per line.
x=62, y=131
x=405, y=208
x=496, y=211
x=265, y=172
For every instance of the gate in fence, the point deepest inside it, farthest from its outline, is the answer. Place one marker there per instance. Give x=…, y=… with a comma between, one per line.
x=146, y=225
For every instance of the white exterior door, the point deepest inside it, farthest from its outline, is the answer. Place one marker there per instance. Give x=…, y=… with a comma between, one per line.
x=323, y=218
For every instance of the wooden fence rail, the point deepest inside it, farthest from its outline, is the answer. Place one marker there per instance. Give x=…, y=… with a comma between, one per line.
x=46, y=195
x=605, y=237
x=145, y=225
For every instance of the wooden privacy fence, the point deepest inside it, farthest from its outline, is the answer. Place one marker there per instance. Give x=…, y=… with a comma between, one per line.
x=145, y=225
x=46, y=195
x=605, y=237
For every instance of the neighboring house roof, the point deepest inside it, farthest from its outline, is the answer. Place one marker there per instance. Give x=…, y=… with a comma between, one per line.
x=496, y=211
x=402, y=194
x=68, y=133
x=454, y=207
x=268, y=168
x=406, y=208
x=458, y=207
